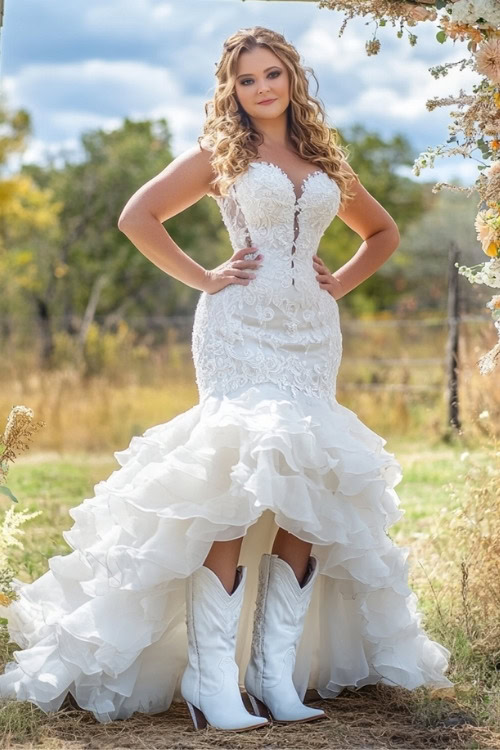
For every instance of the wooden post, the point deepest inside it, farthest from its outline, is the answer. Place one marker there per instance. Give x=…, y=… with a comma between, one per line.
x=453, y=337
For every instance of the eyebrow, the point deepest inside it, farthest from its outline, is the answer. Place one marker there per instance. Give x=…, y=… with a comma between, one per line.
x=243, y=75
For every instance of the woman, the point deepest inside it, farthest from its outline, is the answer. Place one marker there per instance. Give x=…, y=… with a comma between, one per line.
x=268, y=474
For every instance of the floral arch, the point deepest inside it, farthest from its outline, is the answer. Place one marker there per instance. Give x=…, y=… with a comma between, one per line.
x=475, y=123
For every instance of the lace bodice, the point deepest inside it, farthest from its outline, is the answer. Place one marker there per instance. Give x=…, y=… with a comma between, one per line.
x=282, y=327
x=263, y=210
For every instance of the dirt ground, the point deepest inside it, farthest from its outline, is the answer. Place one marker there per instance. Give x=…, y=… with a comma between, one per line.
x=372, y=717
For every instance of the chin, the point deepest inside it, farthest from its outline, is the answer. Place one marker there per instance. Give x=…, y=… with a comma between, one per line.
x=268, y=112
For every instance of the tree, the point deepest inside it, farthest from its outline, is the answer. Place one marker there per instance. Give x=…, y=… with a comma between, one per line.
x=424, y=249
x=90, y=268
x=377, y=163
x=29, y=220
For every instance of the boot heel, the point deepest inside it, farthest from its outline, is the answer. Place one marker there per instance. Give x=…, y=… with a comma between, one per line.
x=280, y=611
x=209, y=683
x=197, y=716
x=259, y=708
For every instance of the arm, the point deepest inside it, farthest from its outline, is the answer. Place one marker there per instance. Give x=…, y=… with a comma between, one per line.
x=380, y=235
x=183, y=182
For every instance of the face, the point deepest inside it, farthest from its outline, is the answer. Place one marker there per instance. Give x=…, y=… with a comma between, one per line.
x=260, y=76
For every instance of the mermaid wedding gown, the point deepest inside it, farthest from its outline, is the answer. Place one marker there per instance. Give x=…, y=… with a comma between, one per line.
x=268, y=445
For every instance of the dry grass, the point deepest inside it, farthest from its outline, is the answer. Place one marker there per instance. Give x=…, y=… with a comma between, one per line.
x=456, y=576
x=459, y=585
x=460, y=612
x=461, y=548
x=130, y=387
x=373, y=717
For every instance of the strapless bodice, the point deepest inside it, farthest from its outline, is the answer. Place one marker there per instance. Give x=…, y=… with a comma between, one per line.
x=281, y=327
x=262, y=210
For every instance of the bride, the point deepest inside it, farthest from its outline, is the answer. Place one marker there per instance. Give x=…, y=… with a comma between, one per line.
x=243, y=543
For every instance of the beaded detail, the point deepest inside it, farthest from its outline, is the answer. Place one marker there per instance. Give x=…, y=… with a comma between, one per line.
x=281, y=327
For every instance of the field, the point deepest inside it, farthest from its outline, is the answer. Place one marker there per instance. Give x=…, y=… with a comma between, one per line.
x=449, y=491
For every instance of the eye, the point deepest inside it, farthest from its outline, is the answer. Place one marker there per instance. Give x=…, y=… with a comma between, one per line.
x=274, y=73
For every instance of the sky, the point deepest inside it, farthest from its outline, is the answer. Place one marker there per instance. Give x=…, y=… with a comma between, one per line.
x=78, y=66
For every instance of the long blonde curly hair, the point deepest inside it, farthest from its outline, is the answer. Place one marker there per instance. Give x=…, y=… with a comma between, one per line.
x=228, y=132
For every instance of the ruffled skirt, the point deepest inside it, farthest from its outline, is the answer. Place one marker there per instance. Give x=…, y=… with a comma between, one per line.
x=107, y=621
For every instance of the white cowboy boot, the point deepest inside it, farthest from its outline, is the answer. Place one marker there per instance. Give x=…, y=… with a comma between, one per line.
x=278, y=624
x=209, y=683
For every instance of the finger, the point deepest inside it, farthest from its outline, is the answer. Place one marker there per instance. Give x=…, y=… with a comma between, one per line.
x=244, y=250
x=242, y=274
x=246, y=263
x=235, y=280
x=232, y=269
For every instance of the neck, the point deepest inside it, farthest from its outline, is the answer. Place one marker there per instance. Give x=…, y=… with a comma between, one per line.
x=274, y=132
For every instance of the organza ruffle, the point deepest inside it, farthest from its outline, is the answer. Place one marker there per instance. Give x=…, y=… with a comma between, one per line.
x=106, y=622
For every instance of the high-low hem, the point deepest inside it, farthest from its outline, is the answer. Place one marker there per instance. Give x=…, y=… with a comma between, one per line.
x=106, y=622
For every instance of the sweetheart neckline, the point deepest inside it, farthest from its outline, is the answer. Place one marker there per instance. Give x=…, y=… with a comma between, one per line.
x=303, y=183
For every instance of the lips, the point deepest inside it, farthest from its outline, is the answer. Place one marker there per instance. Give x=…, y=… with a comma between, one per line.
x=267, y=101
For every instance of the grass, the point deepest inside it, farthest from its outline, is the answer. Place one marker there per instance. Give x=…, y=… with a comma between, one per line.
x=431, y=491
x=100, y=409
x=454, y=559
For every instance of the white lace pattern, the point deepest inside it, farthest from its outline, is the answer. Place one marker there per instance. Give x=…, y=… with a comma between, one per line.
x=282, y=327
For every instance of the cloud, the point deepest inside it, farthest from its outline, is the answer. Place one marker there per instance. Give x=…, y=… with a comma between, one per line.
x=98, y=94
x=96, y=85
x=130, y=19
x=110, y=59
x=389, y=98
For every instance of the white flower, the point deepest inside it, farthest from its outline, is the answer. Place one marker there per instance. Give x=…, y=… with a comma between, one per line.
x=484, y=414
x=9, y=531
x=490, y=274
x=494, y=303
x=488, y=361
x=468, y=11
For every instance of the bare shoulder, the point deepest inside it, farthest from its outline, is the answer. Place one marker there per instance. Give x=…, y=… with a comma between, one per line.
x=183, y=182
x=193, y=163
x=363, y=213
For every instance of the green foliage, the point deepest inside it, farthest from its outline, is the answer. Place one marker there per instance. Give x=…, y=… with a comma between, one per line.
x=5, y=491
x=106, y=351
x=377, y=163
x=50, y=275
x=424, y=251
x=114, y=166
x=16, y=127
x=75, y=278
